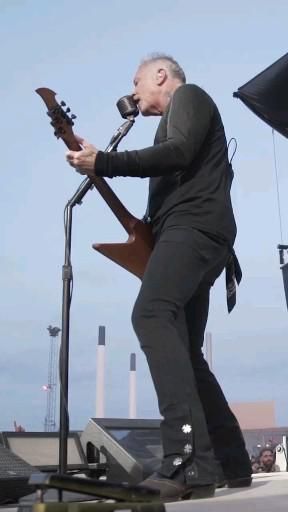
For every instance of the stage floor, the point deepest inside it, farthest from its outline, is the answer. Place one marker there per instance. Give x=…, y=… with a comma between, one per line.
x=268, y=493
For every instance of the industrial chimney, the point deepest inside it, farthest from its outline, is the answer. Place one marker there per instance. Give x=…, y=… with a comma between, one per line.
x=208, y=349
x=100, y=369
x=132, y=386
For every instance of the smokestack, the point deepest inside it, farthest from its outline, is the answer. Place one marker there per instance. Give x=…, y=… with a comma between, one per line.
x=208, y=348
x=100, y=368
x=132, y=386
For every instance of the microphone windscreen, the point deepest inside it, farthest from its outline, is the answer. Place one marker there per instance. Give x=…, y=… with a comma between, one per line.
x=127, y=107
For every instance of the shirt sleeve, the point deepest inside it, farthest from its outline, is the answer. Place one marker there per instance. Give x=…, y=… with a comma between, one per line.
x=188, y=123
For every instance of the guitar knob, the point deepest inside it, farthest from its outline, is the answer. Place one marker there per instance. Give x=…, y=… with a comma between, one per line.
x=68, y=110
x=63, y=104
x=73, y=116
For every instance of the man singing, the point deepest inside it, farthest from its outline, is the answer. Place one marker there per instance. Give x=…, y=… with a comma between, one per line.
x=190, y=211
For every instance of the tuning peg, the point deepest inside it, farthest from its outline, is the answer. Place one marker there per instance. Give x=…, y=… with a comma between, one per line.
x=73, y=116
x=63, y=104
x=68, y=110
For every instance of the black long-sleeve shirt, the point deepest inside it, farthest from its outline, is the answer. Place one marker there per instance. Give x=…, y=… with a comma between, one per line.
x=190, y=175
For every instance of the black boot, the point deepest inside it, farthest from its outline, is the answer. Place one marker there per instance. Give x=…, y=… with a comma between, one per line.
x=231, y=481
x=234, y=468
x=175, y=488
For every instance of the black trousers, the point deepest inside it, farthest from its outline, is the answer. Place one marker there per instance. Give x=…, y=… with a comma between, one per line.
x=169, y=318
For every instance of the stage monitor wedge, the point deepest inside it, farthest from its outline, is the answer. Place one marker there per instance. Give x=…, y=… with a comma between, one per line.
x=131, y=448
x=41, y=449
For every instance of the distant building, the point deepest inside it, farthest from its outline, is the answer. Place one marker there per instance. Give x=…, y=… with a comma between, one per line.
x=258, y=423
x=255, y=415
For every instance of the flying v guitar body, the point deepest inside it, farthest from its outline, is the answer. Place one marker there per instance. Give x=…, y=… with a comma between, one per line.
x=132, y=255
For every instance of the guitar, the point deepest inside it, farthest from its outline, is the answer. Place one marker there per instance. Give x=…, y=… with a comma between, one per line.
x=132, y=255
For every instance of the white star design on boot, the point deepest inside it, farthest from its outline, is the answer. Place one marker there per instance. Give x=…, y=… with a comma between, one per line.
x=186, y=428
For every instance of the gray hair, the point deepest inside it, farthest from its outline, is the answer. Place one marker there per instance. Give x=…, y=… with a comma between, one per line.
x=174, y=68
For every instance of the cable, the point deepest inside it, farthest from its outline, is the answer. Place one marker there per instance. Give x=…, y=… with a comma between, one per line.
x=277, y=186
x=235, y=149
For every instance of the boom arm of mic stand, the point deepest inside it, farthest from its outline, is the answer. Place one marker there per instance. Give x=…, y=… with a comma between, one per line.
x=67, y=276
x=121, y=132
x=112, y=146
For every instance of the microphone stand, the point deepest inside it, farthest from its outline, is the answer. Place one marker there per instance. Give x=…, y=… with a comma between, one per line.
x=67, y=278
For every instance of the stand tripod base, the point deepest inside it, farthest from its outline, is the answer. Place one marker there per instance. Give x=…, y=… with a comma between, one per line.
x=94, y=488
x=98, y=507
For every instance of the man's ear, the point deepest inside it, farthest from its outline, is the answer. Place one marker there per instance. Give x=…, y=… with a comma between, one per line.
x=161, y=76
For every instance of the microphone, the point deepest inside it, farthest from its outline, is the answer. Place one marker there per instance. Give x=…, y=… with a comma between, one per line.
x=127, y=107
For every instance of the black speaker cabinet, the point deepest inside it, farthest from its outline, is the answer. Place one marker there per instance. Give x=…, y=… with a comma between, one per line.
x=130, y=448
x=14, y=476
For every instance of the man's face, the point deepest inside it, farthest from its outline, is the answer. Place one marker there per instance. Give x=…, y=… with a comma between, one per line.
x=267, y=458
x=146, y=89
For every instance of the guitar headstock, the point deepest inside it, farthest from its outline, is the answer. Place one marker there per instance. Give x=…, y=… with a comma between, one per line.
x=61, y=120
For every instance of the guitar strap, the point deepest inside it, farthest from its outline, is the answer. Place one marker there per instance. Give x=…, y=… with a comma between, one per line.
x=233, y=277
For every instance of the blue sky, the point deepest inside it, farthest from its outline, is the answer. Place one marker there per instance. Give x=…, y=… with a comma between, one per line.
x=88, y=52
